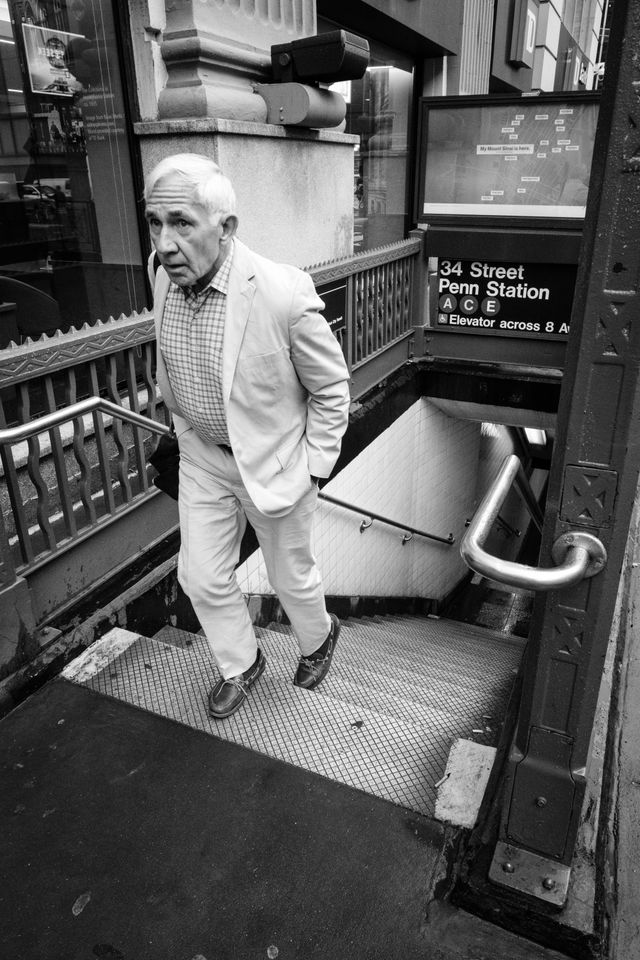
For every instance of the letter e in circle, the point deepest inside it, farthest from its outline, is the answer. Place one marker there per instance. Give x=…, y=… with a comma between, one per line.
x=490, y=306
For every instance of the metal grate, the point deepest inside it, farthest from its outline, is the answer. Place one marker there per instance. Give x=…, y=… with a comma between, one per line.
x=399, y=692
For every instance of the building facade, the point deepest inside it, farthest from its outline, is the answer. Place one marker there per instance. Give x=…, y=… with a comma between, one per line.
x=93, y=92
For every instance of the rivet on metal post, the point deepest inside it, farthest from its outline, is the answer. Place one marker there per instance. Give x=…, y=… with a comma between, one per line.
x=541, y=801
x=529, y=873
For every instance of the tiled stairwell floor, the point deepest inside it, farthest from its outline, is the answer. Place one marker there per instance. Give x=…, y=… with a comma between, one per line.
x=399, y=692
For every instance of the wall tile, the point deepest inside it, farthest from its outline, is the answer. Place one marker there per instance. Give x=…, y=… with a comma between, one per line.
x=420, y=471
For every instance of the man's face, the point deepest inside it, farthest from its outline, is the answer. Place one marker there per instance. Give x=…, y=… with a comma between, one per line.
x=185, y=235
x=56, y=53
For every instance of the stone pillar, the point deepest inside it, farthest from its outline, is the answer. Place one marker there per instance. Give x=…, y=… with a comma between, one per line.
x=214, y=50
x=294, y=186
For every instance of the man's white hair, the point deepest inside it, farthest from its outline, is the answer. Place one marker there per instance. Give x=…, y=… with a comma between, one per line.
x=210, y=186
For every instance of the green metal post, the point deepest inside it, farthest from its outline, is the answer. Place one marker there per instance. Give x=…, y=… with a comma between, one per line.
x=593, y=483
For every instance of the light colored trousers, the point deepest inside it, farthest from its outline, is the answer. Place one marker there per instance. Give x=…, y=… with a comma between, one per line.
x=214, y=509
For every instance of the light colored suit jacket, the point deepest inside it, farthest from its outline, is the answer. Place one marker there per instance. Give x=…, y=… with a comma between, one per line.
x=284, y=379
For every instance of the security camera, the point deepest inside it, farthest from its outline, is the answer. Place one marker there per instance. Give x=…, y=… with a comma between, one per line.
x=325, y=58
x=295, y=97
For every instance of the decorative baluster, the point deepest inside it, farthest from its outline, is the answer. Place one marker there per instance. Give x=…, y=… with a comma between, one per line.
x=59, y=463
x=148, y=360
x=101, y=444
x=392, y=302
x=398, y=326
x=84, y=482
x=350, y=313
x=380, y=304
x=43, y=510
x=388, y=308
x=122, y=459
x=15, y=496
x=138, y=440
x=7, y=566
x=359, y=315
x=148, y=356
x=406, y=298
x=371, y=312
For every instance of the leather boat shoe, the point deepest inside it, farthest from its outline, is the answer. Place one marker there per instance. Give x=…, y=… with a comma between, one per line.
x=313, y=668
x=228, y=695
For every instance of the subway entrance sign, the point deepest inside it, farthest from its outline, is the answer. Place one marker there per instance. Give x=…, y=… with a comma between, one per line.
x=502, y=188
x=512, y=299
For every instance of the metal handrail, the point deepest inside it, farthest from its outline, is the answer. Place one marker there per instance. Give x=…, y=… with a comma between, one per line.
x=392, y=523
x=23, y=431
x=576, y=554
x=29, y=429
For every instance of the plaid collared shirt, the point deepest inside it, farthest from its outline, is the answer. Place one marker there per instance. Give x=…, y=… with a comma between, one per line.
x=191, y=341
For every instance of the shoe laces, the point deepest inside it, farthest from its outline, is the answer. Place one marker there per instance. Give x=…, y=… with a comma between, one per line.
x=312, y=661
x=239, y=683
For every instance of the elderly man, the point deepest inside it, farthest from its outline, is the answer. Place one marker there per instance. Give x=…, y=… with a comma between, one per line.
x=258, y=388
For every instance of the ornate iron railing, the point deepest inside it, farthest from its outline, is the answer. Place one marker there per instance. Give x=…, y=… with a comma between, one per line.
x=58, y=487
x=375, y=298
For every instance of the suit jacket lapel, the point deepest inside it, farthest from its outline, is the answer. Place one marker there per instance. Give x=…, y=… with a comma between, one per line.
x=239, y=301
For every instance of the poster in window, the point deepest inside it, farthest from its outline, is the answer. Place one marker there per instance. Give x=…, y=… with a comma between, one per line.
x=48, y=53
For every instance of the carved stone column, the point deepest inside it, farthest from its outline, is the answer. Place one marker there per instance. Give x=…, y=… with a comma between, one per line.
x=215, y=49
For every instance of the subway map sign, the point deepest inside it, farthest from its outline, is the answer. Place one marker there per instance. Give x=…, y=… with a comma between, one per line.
x=505, y=156
x=509, y=299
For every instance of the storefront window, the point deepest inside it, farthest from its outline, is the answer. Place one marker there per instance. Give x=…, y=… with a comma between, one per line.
x=379, y=111
x=69, y=242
